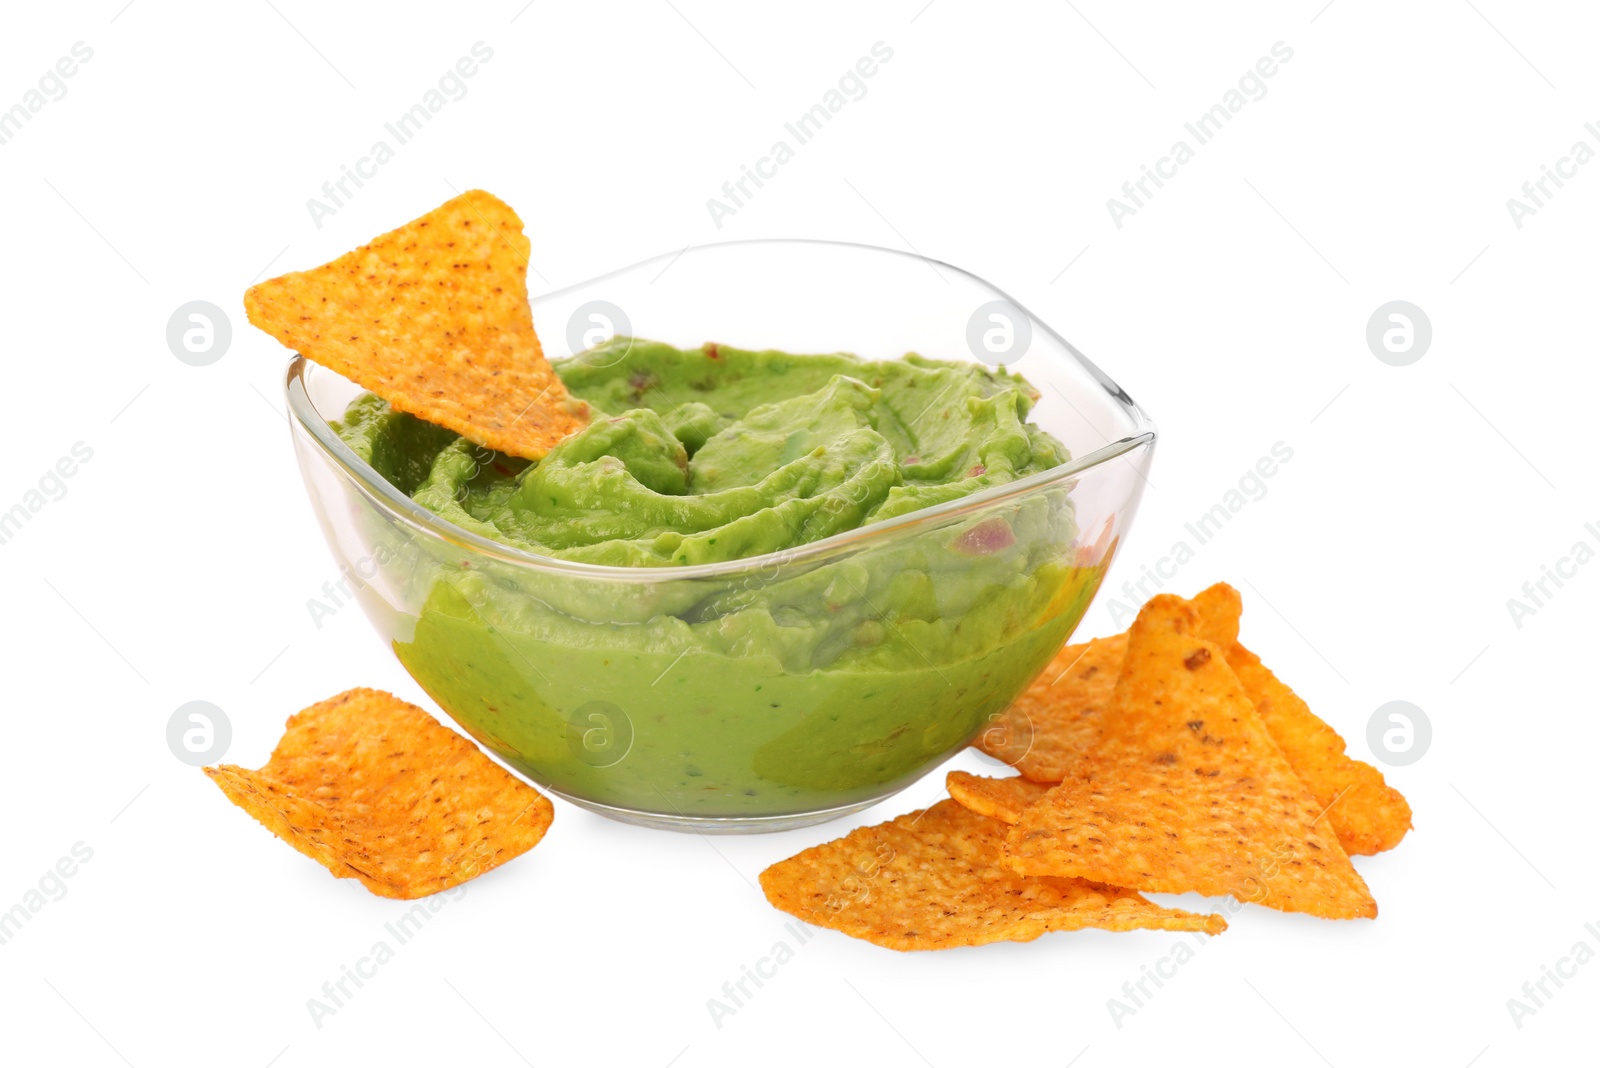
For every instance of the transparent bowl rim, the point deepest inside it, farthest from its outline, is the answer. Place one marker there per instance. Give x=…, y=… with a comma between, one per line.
x=384, y=494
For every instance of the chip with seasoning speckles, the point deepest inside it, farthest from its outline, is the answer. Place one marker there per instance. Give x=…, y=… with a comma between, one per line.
x=1049, y=728
x=1185, y=790
x=933, y=880
x=375, y=789
x=1369, y=815
x=1001, y=799
x=434, y=318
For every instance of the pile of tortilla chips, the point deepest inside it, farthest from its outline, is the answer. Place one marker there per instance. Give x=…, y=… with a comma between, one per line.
x=1164, y=760
x=375, y=789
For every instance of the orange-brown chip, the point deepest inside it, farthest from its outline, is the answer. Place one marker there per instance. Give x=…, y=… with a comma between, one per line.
x=373, y=788
x=1186, y=790
x=933, y=879
x=1049, y=727
x=1220, y=607
x=1001, y=799
x=1369, y=815
x=434, y=318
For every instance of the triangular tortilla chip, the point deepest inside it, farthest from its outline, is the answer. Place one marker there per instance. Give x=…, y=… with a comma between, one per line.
x=933, y=880
x=1045, y=730
x=1186, y=791
x=433, y=317
x=1000, y=799
x=1369, y=815
x=375, y=789
x=1055, y=721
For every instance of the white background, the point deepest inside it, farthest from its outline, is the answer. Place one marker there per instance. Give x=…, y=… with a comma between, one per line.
x=1376, y=567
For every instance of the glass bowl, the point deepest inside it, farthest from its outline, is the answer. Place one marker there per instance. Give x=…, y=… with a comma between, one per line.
x=659, y=696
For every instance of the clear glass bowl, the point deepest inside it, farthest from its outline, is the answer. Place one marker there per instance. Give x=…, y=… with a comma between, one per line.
x=646, y=694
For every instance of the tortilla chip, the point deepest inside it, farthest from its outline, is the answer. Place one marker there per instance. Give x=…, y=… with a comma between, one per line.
x=1369, y=815
x=373, y=788
x=1220, y=607
x=1054, y=722
x=933, y=880
x=1186, y=790
x=1000, y=799
x=297, y=821
x=433, y=317
x=1051, y=725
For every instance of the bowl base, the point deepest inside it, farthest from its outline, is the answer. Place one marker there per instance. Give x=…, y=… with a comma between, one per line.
x=663, y=821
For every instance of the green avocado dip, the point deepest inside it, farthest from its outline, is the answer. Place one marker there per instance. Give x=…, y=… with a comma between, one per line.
x=797, y=684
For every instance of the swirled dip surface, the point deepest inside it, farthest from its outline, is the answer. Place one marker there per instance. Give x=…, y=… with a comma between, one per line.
x=720, y=453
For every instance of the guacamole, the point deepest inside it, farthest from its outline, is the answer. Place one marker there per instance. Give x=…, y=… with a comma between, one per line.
x=720, y=453
x=788, y=687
